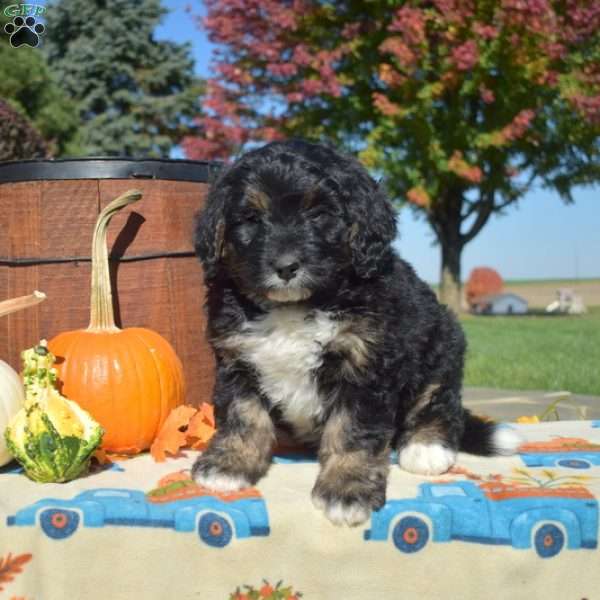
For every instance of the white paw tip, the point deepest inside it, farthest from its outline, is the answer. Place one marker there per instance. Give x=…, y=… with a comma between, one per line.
x=220, y=482
x=506, y=440
x=343, y=514
x=318, y=502
x=426, y=459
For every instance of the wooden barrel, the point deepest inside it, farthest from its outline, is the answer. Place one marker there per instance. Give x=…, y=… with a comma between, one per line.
x=47, y=215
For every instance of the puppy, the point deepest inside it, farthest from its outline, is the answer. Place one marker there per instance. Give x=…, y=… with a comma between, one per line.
x=319, y=329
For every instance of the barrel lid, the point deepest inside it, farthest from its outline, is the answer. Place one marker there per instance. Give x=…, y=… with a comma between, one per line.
x=108, y=168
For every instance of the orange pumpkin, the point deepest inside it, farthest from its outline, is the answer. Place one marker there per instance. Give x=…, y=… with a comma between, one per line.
x=130, y=379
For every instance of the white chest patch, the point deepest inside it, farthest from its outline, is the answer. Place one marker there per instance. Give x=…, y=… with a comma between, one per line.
x=286, y=348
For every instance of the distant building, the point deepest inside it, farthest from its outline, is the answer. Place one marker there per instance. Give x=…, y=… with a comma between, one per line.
x=567, y=301
x=499, y=304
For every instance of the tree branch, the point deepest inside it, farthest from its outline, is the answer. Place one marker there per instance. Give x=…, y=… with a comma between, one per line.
x=485, y=207
x=471, y=208
x=434, y=225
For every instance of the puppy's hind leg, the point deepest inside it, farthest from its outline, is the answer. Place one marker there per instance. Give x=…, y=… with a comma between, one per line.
x=239, y=454
x=430, y=433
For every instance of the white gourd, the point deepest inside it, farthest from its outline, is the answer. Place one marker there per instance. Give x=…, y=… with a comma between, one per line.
x=12, y=396
x=12, y=393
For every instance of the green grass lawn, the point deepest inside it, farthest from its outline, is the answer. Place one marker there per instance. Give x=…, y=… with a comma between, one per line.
x=558, y=282
x=534, y=352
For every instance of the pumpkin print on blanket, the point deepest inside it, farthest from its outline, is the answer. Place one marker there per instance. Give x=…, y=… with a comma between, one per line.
x=266, y=591
x=11, y=566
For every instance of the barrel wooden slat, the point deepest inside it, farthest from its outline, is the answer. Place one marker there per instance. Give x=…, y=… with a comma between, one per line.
x=6, y=197
x=24, y=220
x=43, y=216
x=22, y=327
x=166, y=210
x=55, y=219
x=189, y=332
x=67, y=305
x=142, y=296
x=69, y=211
x=23, y=226
x=67, y=286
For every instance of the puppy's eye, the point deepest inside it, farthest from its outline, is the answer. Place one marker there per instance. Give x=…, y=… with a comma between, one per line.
x=319, y=215
x=248, y=219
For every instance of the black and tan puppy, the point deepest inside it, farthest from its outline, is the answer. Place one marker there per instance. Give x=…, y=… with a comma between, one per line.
x=319, y=329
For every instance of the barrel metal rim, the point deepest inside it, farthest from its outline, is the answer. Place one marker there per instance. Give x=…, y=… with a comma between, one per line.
x=199, y=171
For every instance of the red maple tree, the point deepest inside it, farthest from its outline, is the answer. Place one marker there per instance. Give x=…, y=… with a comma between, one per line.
x=460, y=104
x=483, y=281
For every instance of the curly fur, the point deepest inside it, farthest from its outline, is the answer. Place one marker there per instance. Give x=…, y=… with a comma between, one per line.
x=321, y=330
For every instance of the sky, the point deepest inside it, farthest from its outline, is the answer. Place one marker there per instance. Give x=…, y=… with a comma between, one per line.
x=540, y=238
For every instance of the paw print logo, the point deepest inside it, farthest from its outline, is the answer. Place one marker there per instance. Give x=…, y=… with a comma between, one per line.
x=24, y=32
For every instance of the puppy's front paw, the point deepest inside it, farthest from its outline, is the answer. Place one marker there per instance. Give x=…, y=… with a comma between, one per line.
x=209, y=474
x=348, y=500
x=426, y=459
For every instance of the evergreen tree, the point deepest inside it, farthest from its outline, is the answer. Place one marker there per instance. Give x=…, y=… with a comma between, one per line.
x=28, y=88
x=136, y=95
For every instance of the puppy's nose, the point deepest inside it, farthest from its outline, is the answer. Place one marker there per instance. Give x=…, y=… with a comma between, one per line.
x=287, y=268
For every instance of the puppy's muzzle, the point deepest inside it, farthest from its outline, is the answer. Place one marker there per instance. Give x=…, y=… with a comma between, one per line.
x=286, y=267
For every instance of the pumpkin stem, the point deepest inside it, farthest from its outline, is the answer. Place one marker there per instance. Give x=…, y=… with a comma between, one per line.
x=15, y=304
x=101, y=308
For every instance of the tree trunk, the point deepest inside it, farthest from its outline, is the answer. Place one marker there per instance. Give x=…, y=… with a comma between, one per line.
x=450, y=284
x=446, y=221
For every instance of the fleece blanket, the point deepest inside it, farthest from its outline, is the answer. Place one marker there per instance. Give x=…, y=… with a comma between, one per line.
x=507, y=527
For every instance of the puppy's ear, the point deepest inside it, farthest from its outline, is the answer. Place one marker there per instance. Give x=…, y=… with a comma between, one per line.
x=210, y=231
x=373, y=226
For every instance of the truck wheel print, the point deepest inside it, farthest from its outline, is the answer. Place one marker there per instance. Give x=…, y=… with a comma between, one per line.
x=59, y=523
x=410, y=534
x=548, y=540
x=573, y=463
x=214, y=530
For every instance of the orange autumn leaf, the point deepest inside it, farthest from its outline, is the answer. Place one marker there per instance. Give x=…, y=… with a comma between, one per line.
x=102, y=457
x=201, y=427
x=107, y=458
x=200, y=443
x=170, y=438
x=208, y=411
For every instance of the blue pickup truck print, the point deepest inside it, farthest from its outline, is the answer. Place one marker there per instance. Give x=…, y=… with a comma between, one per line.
x=465, y=511
x=571, y=460
x=216, y=520
x=569, y=453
